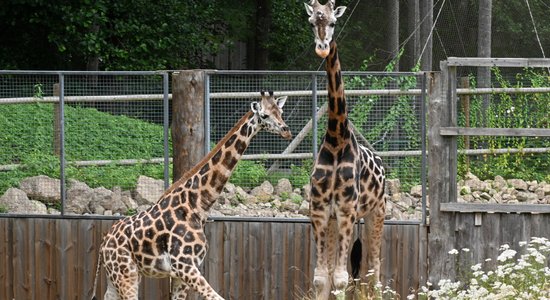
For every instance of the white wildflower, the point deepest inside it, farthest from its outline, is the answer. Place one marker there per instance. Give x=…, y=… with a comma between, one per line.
x=465, y=249
x=476, y=267
x=522, y=243
x=453, y=252
x=504, y=247
x=506, y=254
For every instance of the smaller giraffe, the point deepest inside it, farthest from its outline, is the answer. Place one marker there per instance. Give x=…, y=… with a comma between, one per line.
x=168, y=239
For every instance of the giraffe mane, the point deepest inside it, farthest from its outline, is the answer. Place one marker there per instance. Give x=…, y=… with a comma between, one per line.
x=208, y=156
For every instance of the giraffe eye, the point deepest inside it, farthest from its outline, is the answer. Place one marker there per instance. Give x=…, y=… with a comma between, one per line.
x=263, y=116
x=331, y=25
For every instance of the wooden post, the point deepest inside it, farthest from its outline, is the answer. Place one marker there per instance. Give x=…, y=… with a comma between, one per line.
x=441, y=236
x=484, y=50
x=465, y=101
x=56, y=122
x=187, y=120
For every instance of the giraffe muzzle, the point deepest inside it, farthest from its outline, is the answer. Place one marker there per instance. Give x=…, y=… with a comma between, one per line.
x=322, y=50
x=285, y=133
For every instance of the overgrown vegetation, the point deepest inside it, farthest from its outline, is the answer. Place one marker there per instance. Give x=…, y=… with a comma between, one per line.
x=509, y=111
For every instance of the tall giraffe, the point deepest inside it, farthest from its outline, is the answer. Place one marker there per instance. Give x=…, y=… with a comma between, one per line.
x=347, y=182
x=168, y=239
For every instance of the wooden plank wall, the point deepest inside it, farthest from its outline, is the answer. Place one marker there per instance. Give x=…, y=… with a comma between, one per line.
x=56, y=259
x=483, y=240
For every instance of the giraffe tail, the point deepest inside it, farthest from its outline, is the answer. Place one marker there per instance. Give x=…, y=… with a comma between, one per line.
x=98, y=268
x=356, y=252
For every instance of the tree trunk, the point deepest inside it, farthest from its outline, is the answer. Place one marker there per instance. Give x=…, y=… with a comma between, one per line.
x=484, y=50
x=187, y=120
x=426, y=14
x=413, y=45
x=393, y=28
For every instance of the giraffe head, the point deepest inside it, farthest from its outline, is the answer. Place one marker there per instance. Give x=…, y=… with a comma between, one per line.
x=268, y=112
x=323, y=18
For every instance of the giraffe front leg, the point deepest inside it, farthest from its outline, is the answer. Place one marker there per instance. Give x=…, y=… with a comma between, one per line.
x=319, y=222
x=343, y=233
x=191, y=276
x=375, y=229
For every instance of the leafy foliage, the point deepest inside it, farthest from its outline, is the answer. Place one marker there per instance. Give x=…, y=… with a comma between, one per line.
x=507, y=111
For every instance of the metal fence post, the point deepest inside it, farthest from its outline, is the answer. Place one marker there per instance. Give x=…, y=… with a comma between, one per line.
x=166, y=126
x=62, y=140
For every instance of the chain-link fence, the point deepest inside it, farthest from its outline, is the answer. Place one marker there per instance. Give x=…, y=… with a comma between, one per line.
x=386, y=110
x=112, y=131
x=108, y=127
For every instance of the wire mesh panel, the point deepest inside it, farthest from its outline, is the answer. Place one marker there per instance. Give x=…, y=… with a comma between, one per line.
x=114, y=144
x=225, y=112
x=390, y=124
x=27, y=143
x=512, y=169
x=108, y=131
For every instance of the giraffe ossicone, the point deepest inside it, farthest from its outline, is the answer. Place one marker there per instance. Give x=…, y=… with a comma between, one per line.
x=347, y=182
x=168, y=239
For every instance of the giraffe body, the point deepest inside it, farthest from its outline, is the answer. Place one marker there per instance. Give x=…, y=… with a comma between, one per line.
x=347, y=182
x=168, y=239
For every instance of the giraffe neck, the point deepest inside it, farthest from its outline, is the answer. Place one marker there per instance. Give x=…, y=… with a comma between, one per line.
x=338, y=128
x=211, y=174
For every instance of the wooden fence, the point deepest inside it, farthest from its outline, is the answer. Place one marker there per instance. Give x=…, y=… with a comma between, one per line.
x=480, y=227
x=55, y=258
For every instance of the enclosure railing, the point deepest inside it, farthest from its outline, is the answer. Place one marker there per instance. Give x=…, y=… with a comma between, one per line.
x=479, y=228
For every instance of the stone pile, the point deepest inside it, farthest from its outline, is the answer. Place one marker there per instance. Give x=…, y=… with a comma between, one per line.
x=41, y=195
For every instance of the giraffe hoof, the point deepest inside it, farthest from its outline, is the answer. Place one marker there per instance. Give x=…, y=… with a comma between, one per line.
x=340, y=280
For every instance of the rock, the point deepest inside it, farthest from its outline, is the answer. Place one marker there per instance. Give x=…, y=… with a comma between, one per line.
x=214, y=213
x=465, y=190
x=499, y=182
x=290, y=205
x=79, y=196
x=306, y=189
x=393, y=186
x=148, y=190
x=476, y=185
x=283, y=187
x=16, y=201
x=416, y=191
x=264, y=192
x=42, y=188
x=545, y=187
x=518, y=184
x=304, y=208
x=108, y=200
x=486, y=196
x=527, y=197
x=125, y=197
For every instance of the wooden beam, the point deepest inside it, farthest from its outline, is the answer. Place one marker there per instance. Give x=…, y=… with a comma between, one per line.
x=495, y=208
x=498, y=62
x=454, y=131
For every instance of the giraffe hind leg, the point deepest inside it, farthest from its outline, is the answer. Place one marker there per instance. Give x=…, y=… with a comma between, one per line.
x=122, y=278
x=179, y=289
x=191, y=276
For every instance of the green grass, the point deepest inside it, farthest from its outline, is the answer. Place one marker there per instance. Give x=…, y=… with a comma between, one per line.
x=27, y=139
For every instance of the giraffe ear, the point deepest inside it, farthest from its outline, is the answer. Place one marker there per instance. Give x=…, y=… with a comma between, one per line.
x=339, y=11
x=309, y=9
x=255, y=106
x=281, y=101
